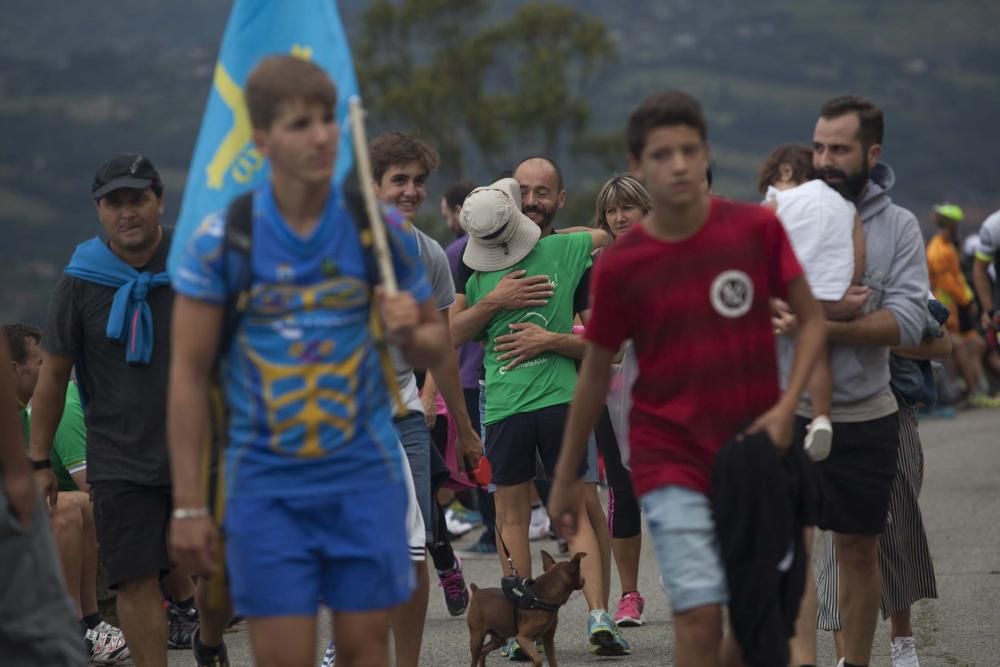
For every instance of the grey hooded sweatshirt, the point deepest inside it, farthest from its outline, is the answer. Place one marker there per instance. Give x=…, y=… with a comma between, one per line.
x=896, y=273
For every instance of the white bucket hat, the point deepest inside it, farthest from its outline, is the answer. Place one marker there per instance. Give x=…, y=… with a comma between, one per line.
x=500, y=235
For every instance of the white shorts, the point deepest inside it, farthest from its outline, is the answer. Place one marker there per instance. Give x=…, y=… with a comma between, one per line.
x=415, y=530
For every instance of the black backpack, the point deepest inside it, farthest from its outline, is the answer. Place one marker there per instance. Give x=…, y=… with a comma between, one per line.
x=238, y=242
x=238, y=246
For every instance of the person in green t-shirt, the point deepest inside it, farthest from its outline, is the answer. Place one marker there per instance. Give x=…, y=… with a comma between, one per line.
x=530, y=355
x=72, y=518
x=69, y=448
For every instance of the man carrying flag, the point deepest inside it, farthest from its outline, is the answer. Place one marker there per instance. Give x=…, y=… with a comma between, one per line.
x=316, y=501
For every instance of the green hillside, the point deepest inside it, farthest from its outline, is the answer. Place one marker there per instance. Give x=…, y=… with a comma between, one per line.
x=97, y=78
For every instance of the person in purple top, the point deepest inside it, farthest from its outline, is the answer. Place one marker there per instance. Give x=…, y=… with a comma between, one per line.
x=470, y=356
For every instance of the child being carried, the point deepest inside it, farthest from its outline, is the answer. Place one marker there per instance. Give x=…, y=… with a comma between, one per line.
x=826, y=234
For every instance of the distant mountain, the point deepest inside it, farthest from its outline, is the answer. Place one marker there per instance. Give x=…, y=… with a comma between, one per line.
x=91, y=78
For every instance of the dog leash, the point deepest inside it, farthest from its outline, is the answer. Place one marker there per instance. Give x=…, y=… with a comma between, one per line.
x=506, y=551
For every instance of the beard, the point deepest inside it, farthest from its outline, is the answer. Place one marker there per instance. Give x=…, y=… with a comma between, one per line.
x=851, y=185
x=548, y=215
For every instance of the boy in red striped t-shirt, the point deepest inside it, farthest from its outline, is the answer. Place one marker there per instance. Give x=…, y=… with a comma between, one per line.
x=698, y=273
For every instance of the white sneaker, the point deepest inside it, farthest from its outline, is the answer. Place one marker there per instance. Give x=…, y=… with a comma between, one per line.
x=456, y=526
x=904, y=652
x=819, y=438
x=106, y=648
x=106, y=627
x=540, y=524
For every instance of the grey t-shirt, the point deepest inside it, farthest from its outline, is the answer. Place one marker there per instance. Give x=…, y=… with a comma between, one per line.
x=443, y=288
x=126, y=404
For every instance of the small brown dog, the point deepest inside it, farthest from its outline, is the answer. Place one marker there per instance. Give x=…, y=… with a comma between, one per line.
x=491, y=613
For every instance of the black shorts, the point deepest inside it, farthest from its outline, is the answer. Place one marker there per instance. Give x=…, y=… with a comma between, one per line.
x=131, y=522
x=514, y=445
x=855, y=480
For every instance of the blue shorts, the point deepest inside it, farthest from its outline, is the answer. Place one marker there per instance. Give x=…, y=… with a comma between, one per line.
x=287, y=556
x=687, y=551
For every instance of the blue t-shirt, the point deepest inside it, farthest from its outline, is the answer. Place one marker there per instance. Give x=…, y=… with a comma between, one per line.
x=309, y=408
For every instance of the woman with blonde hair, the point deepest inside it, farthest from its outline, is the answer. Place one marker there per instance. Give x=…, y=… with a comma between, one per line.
x=621, y=203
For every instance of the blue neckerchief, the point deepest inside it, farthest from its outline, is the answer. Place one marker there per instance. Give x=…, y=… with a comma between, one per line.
x=131, y=321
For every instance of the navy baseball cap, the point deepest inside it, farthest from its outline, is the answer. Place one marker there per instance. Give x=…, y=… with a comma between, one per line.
x=130, y=170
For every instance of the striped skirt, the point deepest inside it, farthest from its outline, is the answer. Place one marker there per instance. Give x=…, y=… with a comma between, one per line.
x=904, y=557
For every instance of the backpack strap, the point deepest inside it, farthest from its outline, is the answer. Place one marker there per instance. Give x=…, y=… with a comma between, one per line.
x=237, y=245
x=359, y=214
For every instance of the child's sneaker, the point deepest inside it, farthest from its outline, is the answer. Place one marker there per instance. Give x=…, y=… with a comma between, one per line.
x=629, y=613
x=819, y=438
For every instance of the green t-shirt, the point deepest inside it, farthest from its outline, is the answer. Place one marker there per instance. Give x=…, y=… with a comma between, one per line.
x=550, y=378
x=69, y=447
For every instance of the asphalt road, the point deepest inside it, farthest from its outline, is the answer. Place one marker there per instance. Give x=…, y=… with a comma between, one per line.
x=961, y=506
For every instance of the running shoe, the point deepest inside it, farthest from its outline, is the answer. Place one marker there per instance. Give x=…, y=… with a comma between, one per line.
x=330, y=657
x=456, y=527
x=512, y=650
x=538, y=529
x=104, y=626
x=629, y=612
x=456, y=595
x=604, y=636
x=106, y=648
x=481, y=548
x=218, y=659
x=904, y=652
x=463, y=513
x=937, y=412
x=181, y=624
x=984, y=401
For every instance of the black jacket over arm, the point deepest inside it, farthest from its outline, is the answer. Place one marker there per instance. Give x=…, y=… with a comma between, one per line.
x=759, y=507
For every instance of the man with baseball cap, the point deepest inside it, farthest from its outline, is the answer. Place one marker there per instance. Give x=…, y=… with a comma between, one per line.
x=527, y=398
x=110, y=318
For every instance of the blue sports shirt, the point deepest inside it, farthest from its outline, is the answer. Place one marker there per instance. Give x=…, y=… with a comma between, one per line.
x=309, y=408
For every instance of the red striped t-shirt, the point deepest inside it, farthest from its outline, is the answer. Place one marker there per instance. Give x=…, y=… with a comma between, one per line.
x=698, y=312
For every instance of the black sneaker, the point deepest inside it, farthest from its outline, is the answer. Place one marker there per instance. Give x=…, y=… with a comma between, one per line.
x=456, y=595
x=181, y=625
x=218, y=659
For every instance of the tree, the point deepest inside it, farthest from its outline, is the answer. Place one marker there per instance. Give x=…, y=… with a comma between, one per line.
x=477, y=89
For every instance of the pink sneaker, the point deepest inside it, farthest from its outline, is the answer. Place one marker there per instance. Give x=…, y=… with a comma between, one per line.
x=629, y=614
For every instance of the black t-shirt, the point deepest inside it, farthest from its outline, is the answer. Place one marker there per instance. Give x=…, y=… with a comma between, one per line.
x=126, y=404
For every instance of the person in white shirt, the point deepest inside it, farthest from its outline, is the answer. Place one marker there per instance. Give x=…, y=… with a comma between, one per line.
x=826, y=235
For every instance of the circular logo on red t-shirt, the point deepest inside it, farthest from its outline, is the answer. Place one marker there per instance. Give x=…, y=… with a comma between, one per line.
x=732, y=294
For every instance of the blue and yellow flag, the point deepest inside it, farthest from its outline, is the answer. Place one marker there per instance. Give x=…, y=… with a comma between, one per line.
x=225, y=162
